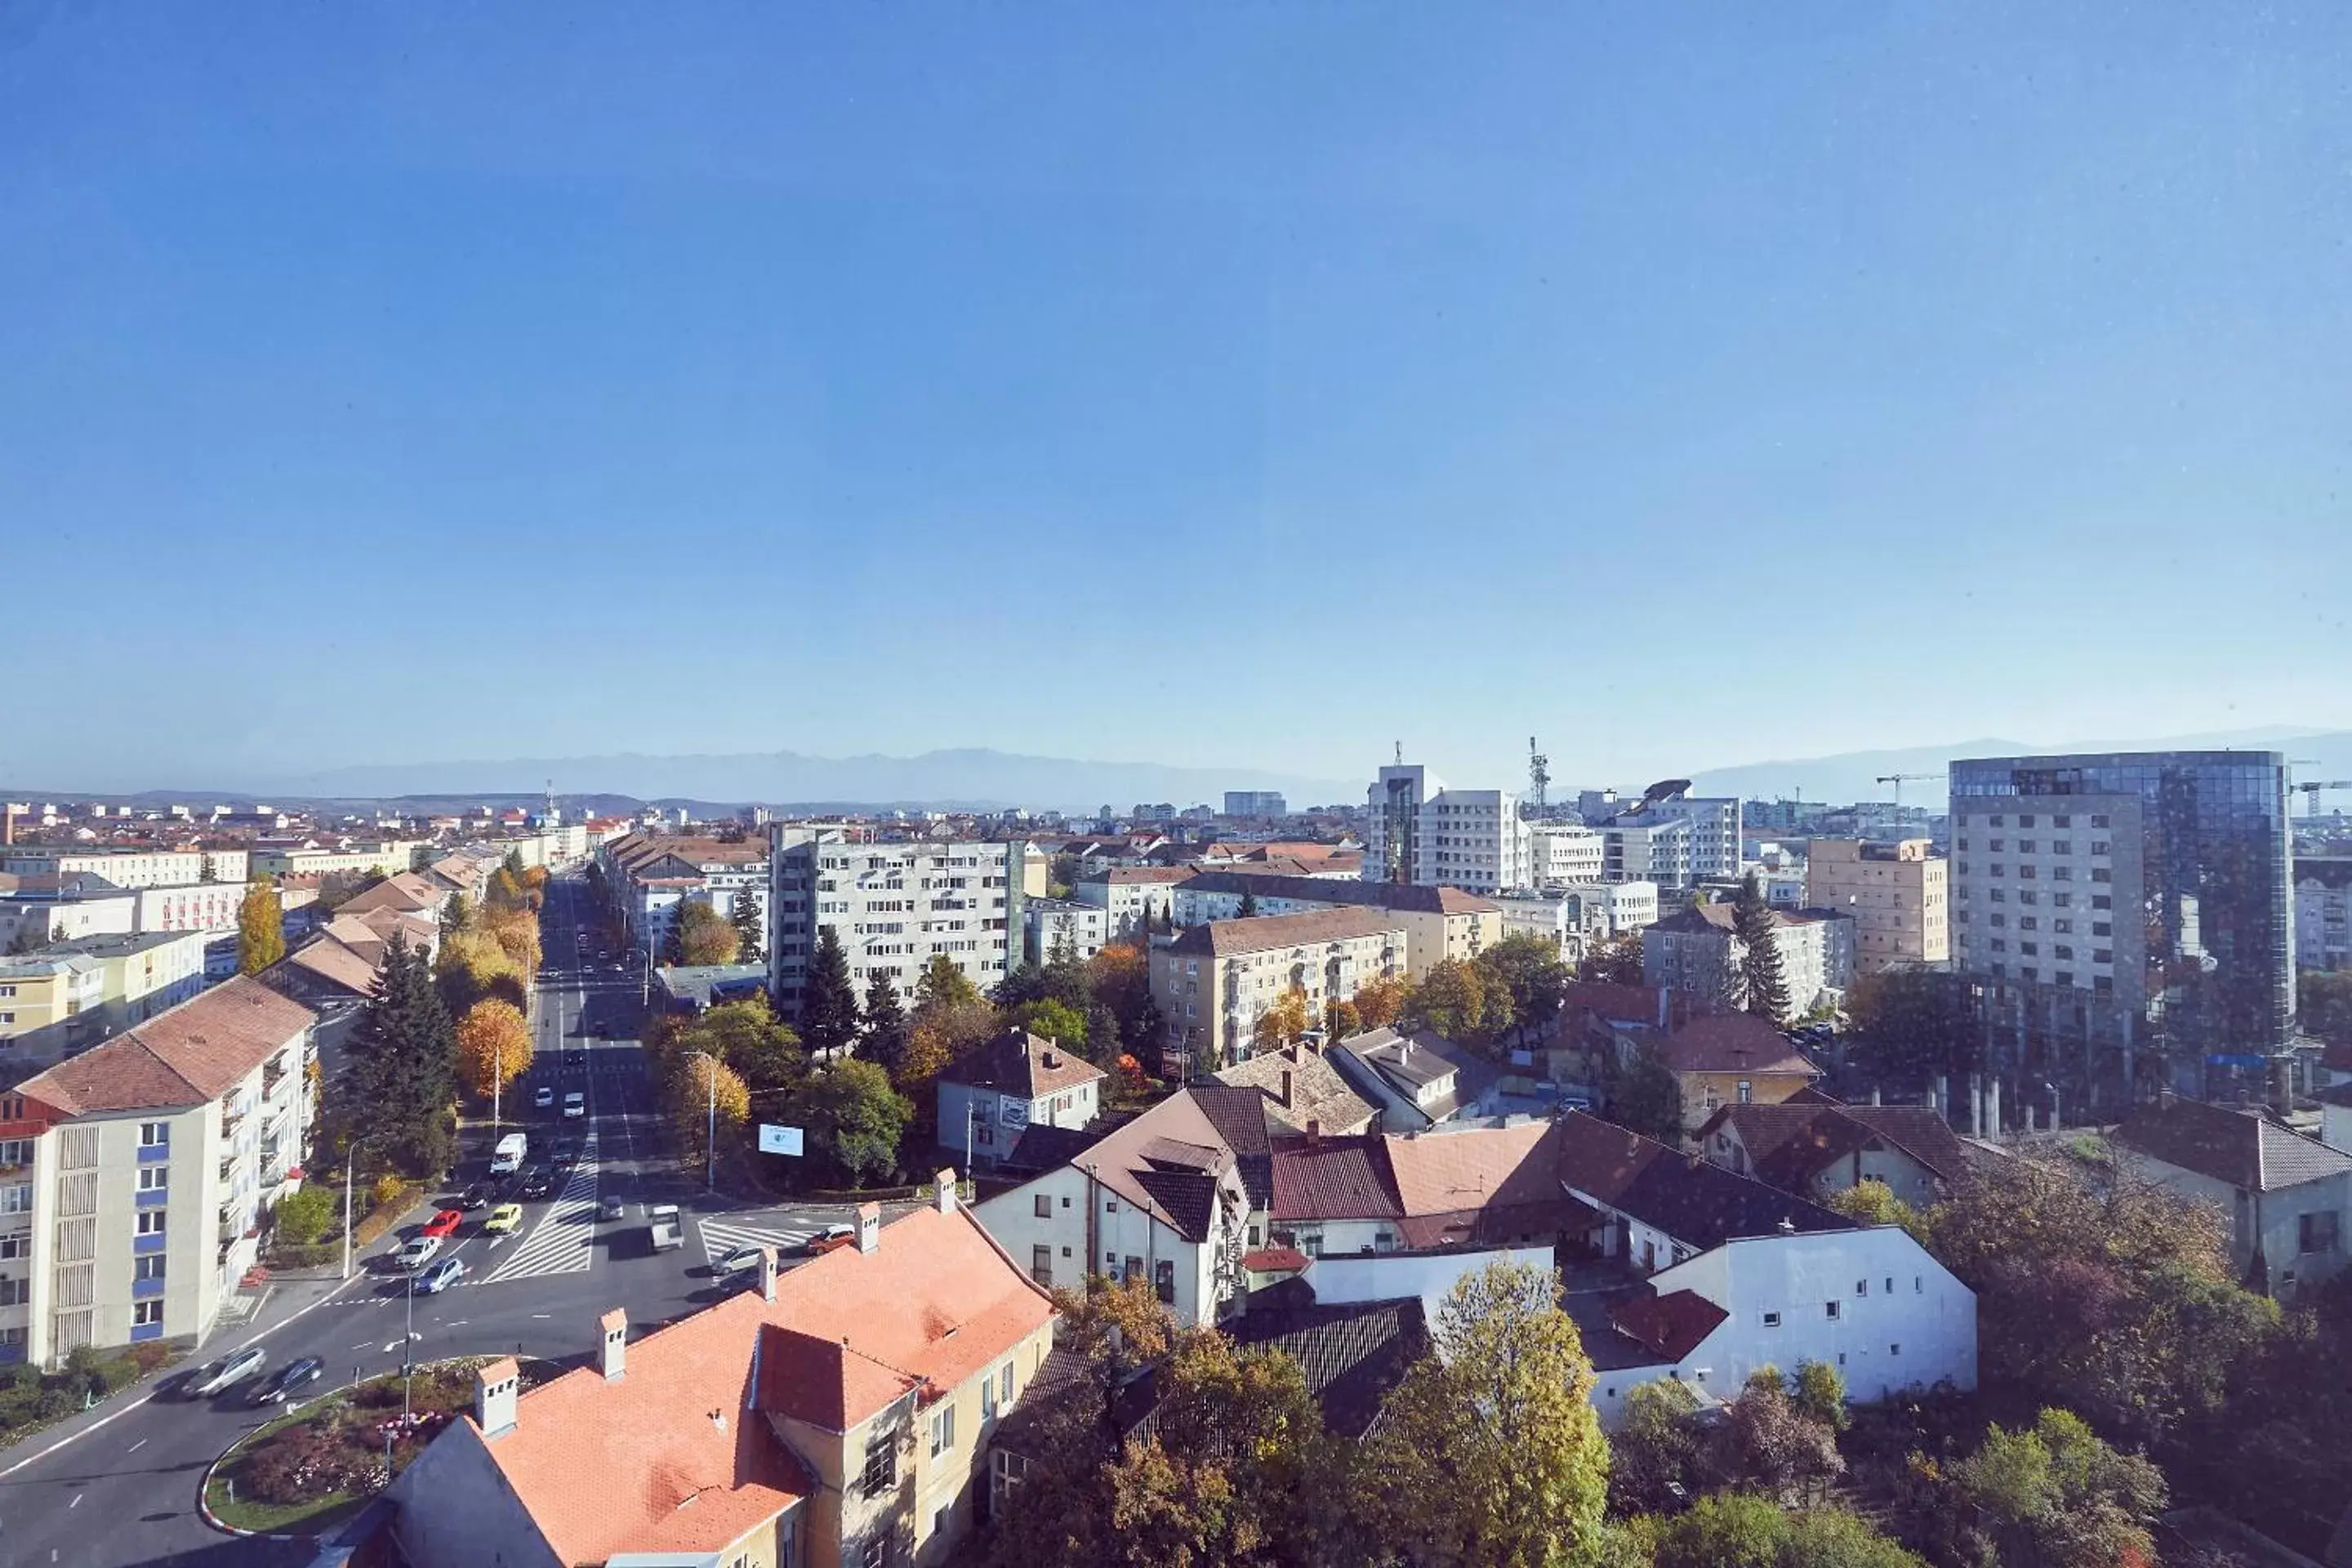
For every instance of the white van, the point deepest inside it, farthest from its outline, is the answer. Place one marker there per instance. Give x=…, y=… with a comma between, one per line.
x=507, y=1158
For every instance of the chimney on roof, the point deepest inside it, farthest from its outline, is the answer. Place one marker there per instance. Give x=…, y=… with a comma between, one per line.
x=615, y=1328
x=494, y=1396
x=943, y=1190
x=767, y=1274
x=1283, y=1098
x=1052, y=1058
x=870, y=1227
x=1314, y=1132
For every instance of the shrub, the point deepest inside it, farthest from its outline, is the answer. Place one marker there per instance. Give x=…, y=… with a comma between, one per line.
x=304, y=1216
x=298, y=1465
x=387, y=1189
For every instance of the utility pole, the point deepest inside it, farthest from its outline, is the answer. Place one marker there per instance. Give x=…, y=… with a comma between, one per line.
x=351, y=1162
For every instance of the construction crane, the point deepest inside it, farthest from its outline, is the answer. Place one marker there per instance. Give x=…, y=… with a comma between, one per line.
x=2311, y=790
x=1899, y=780
x=1539, y=775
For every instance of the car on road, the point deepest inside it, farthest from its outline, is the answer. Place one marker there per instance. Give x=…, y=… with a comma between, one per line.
x=536, y=1184
x=575, y=1058
x=445, y=1221
x=565, y=1151
x=543, y=1096
x=417, y=1252
x=832, y=1238
x=294, y=1374
x=612, y=1208
x=576, y=1104
x=225, y=1374
x=477, y=1197
x=665, y=1228
x=503, y=1220
x=735, y=1260
x=440, y=1276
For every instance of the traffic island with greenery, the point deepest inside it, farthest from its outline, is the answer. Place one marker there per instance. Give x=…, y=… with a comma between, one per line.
x=31, y=1399
x=314, y=1467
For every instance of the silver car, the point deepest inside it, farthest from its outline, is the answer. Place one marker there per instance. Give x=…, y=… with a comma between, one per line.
x=228, y=1372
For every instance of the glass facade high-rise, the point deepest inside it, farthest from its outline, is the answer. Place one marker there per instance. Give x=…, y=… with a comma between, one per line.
x=2127, y=916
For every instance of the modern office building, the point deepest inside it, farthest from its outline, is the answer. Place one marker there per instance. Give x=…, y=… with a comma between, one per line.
x=2127, y=918
x=1425, y=834
x=1255, y=803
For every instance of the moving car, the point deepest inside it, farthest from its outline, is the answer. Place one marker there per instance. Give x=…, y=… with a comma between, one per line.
x=566, y=1151
x=612, y=1208
x=507, y=1159
x=441, y=1276
x=664, y=1228
x=503, y=1220
x=475, y=1196
x=294, y=1374
x=737, y=1259
x=415, y=1252
x=228, y=1372
x=576, y=1104
x=543, y=1097
x=536, y=1184
x=832, y=1238
x=444, y=1223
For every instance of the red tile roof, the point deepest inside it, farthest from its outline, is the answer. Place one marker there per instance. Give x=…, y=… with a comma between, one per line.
x=1333, y=1178
x=1673, y=1325
x=1734, y=1043
x=1018, y=1062
x=188, y=1056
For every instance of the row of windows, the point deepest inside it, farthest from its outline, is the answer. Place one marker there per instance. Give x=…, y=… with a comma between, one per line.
x=2063, y=819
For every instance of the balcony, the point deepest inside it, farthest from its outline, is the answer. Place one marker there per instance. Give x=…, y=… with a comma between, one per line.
x=155, y=1198
x=152, y=1242
x=146, y=1289
x=155, y=1153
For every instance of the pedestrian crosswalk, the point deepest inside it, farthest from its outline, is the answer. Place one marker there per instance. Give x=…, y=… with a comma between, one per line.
x=564, y=1239
x=721, y=1237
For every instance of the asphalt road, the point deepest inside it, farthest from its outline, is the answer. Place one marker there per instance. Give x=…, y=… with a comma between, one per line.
x=125, y=1493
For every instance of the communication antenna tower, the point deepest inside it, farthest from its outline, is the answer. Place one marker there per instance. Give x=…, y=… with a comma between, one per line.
x=1539, y=773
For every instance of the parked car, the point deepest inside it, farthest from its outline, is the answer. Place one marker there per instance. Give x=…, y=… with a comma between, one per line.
x=418, y=1251
x=475, y=1196
x=218, y=1377
x=576, y=1104
x=664, y=1228
x=445, y=1221
x=832, y=1238
x=503, y=1219
x=543, y=1097
x=293, y=1375
x=441, y=1276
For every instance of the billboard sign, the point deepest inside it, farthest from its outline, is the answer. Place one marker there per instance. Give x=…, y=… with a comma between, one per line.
x=775, y=1140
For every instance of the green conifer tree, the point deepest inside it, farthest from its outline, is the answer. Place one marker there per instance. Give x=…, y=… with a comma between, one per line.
x=828, y=1001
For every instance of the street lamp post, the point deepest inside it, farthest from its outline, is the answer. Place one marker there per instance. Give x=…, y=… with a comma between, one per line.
x=350, y=1162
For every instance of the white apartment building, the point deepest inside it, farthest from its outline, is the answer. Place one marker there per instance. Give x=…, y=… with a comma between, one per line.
x=1564, y=854
x=895, y=907
x=139, y=1171
x=1597, y=911
x=128, y=868
x=2323, y=911
x=37, y=908
x=1214, y=982
x=650, y=876
x=1714, y=833
x=1429, y=836
x=1132, y=895
x=1696, y=950
x=1648, y=849
x=2033, y=897
x=199, y=906
x=1542, y=915
x=1057, y=925
x=1442, y=923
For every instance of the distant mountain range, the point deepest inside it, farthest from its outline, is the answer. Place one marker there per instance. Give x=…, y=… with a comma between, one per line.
x=1853, y=775
x=967, y=780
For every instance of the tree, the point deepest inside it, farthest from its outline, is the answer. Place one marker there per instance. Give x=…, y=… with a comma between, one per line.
x=751, y=928
x=856, y=1119
x=1648, y=1099
x=829, y=1002
x=1379, y=1001
x=1654, y=1455
x=1737, y=1530
x=2324, y=1001
x=1490, y=1448
x=494, y=1046
x=400, y=1074
x=2055, y=1495
x=1279, y=1027
x=702, y=936
x=694, y=1085
x=1819, y=1395
x=260, y=926
x=884, y=1041
x=1763, y=989
x=1767, y=1442
x=456, y=915
x=1616, y=962
x=943, y=984
x=1249, y=904
x=1451, y=1001
x=1873, y=1201
x=1526, y=969
x=304, y=1214
x=1119, y=976
x=1052, y=1020
x=472, y=966
x=1341, y=1021
x=1907, y=1022
x=513, y=864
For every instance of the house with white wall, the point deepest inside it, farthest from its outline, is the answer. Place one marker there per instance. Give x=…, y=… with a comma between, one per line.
x=2287, y=1197
x=1016, y=1081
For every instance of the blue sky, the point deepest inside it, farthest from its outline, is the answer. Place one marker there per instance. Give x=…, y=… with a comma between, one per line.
x=1249, y=384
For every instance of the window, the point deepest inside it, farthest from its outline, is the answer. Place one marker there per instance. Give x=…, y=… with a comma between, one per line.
x=2102, y=902
x=941, y=1518
x=942, y=1430
x=1045, y=1206
x=2061, y=822
x=2025, y=846
x=1164, y=1281
x=20, y=1245
x=1110, y=1206
x=2315, y=1232
x=1862, y=1287
x=1747, y=1091
x=988, y=1397
x=17, y=1198
x=2102, y=955
x=155, y=1178
x=2000, y=920
x=15, y=1292
x=2062, y=847
x=146, y=1314
x=1041, y=1264
x=1998, y=845
x=1831, y=1310
x=151, y=1222
x=1004, y=1385
x=1894, y=1350
x=154, y=1134
x=149, y=1267
x=1772, y=1319
x=2064, y=900
x=876, y=1553
x=2026, y=923
x=881, y=1464
x=15, y=1152
x=1890, y=1284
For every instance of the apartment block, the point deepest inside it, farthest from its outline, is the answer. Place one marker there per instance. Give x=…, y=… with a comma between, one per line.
x=1214, y=982
x=1255, y=803
x=38, y=908
x=1425, y=834
x=1697, y=951
x=650, y=877
x=1132, y=895
x=125, y=867
x=895, y=906
x=2129, y=919
x=1897, y=895
x=1065, y=926
x=1657, y=850
x=1444, y=923
x=1564, y=854
x=2323, y=911
x=143, y=1169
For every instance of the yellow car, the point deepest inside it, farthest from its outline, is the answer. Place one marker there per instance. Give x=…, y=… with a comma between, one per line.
x=503, y=1219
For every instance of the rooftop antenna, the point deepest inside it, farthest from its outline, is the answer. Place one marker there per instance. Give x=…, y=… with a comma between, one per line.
x=1539, y=773
x=1400, y=753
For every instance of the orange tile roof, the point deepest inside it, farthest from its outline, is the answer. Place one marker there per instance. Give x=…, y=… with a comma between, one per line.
x=610, y=1468
x=184, y=1056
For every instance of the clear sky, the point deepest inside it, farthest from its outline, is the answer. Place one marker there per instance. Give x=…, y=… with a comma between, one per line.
x=1249, y=384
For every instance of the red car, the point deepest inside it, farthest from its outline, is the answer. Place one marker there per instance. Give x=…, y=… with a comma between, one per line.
x=444, y=1222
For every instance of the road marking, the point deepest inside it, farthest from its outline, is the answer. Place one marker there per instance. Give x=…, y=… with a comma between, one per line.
x=136, y=1446
x=77, y=1500
x=539, y=1314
